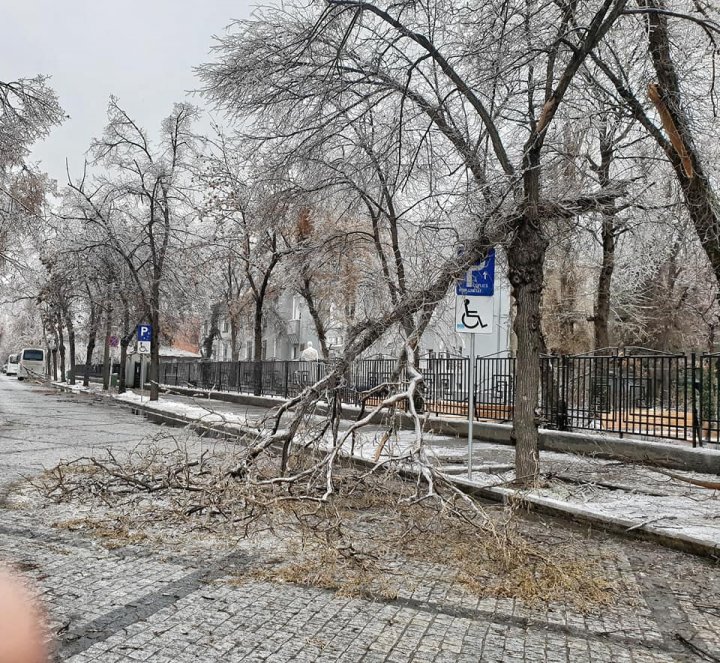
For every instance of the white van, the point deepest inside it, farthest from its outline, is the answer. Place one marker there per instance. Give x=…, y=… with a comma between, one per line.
x=12, y=365
x=32, y=363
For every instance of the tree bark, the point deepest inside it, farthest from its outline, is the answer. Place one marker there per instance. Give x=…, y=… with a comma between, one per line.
x=213, y=332
x=257, y=347
x=155, y=356
x=90, y=348
x=234, y=329
x=306, y=294
x=526, y=257
x=124, y=342
x=106, y=348
x=70, y=326
x=601, y=317
x=61, y=348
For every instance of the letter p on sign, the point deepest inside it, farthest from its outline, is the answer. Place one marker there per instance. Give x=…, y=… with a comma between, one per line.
x=144, y=333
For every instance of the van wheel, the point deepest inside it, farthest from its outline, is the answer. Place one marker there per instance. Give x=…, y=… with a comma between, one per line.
x=20, y=379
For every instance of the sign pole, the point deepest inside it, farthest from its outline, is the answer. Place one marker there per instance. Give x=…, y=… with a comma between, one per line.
x=471, y=404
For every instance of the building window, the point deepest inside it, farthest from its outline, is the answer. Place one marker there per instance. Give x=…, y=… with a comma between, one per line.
x=264, y=349
x=225, y=326
x=250, y=350
x=296, y=308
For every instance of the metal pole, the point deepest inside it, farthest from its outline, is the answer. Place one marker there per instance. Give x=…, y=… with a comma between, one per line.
x=471, y=403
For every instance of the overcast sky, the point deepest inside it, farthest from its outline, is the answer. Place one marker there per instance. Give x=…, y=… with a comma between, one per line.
x=142, y=51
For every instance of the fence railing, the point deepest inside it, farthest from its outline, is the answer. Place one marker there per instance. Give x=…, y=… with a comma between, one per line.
x=647, y=395
x=96, y=370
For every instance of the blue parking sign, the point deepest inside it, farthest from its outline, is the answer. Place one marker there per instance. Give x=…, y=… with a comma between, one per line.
x=144, y=333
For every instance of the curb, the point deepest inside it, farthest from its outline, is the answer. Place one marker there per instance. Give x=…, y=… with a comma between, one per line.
x=660, y=454
x=624, y=527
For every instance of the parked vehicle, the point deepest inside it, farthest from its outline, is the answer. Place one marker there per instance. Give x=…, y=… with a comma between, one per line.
x=12, y=365
x=4, y=368
x=31, y=364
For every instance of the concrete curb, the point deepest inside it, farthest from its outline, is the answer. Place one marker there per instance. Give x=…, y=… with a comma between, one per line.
x=660, y=454
x=620, y=526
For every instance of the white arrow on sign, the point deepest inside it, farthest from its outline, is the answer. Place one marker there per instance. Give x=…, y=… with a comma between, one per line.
x=474, y=315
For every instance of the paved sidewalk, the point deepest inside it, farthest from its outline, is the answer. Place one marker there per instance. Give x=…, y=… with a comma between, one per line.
x=142, y=602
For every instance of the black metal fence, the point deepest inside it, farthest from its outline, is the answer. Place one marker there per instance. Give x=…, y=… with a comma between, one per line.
x=96, y=370
x=648, y=394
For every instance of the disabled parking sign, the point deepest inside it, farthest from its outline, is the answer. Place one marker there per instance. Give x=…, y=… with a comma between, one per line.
x=474, y=315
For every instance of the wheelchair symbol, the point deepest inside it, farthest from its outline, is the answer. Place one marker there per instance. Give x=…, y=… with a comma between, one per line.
x=470, y=318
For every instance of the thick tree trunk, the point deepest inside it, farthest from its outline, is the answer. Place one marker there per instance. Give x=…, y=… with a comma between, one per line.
x=526, y=256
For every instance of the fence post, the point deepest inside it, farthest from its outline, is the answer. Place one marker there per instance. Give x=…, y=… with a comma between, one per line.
x=621, y=419
x=696, y=386
x=562, y=409
x=286, y=376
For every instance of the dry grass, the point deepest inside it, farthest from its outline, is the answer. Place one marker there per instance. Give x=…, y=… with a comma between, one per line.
x=113, y=535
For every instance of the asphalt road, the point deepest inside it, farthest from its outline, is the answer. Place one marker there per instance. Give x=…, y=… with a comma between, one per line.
x=40, y=427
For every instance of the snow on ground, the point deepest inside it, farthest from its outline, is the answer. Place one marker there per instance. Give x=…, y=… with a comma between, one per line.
x=197, y=412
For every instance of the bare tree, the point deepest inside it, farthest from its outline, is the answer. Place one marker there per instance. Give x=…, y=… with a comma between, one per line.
x=354, y=50
x=141, y=212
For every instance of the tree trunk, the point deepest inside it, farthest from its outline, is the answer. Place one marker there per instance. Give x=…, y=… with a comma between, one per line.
x=257, y=348
x=601, y=317
x=207, y=346
x=234, y=328
x=106, y=349
x=155, y=356
x=320, y=330
x=526, y=256
x=61, y=348
x=90, y=349
x=70, y=326
x=124, y=342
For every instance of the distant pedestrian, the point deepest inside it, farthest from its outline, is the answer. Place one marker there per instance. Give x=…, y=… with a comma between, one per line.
x=309, y=353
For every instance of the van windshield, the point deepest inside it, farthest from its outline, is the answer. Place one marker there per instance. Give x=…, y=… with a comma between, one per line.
x=13, y=359
x=33, y=355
